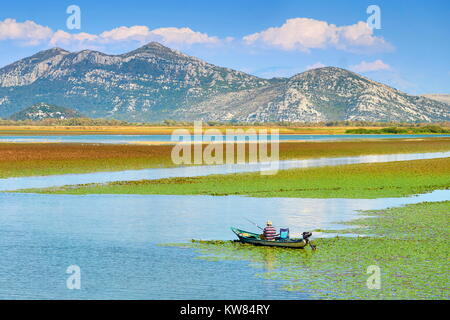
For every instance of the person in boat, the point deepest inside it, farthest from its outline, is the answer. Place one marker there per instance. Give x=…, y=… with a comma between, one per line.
x=269, y=232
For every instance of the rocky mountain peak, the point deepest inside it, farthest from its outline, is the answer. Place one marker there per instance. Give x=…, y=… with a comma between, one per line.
x=156, y=49
x=155, y=46
x=325, y=72
x=58, y=50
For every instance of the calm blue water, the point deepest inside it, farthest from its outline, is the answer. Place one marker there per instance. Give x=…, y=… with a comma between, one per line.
x=114, y=240
x=124, y=139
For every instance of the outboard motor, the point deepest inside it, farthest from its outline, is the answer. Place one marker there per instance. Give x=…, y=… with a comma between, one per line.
x=306, y=236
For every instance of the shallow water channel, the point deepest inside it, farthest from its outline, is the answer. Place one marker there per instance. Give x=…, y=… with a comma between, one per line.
x=128, y=138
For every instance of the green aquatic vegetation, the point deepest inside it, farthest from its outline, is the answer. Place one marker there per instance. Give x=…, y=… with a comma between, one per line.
x=370, y=180
x=34, y=159
x=406, y=222
x=413, y=257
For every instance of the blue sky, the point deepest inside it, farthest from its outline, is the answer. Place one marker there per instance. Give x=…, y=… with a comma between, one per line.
x=265, y=38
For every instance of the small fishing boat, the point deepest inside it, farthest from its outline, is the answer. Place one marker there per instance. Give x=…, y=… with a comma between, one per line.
x=255, y=239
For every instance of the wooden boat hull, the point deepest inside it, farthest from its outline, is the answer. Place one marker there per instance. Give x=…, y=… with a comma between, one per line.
x=255, y=239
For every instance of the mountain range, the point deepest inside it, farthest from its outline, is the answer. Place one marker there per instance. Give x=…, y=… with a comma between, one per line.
x=153, y=83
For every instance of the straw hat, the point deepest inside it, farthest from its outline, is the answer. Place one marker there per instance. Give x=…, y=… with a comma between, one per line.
x=269, y=223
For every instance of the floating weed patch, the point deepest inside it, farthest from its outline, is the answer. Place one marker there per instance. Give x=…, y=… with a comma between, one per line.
x=413, y=257
x=368, y=180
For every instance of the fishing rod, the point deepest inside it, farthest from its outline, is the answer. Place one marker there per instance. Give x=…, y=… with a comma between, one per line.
x=253, y=223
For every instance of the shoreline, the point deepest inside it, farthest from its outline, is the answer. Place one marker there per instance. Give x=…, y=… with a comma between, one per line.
x=165, y=130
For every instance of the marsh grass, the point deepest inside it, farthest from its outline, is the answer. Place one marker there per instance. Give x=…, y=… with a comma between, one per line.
x=413, y=256
x=390, y=179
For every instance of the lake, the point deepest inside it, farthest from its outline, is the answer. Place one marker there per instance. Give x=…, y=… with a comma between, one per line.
x=116, y=239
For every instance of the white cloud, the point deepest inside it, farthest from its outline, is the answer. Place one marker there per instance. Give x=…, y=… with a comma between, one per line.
x=141, y=34
x=376, y=65
x=184, y=36
x=305, y=34
x=359, y=34
x=62, y=37
x=169, y=35
x=299, y=33
x=33, y=34
x=315, y=66
x=29, y=32
x=138, y=33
